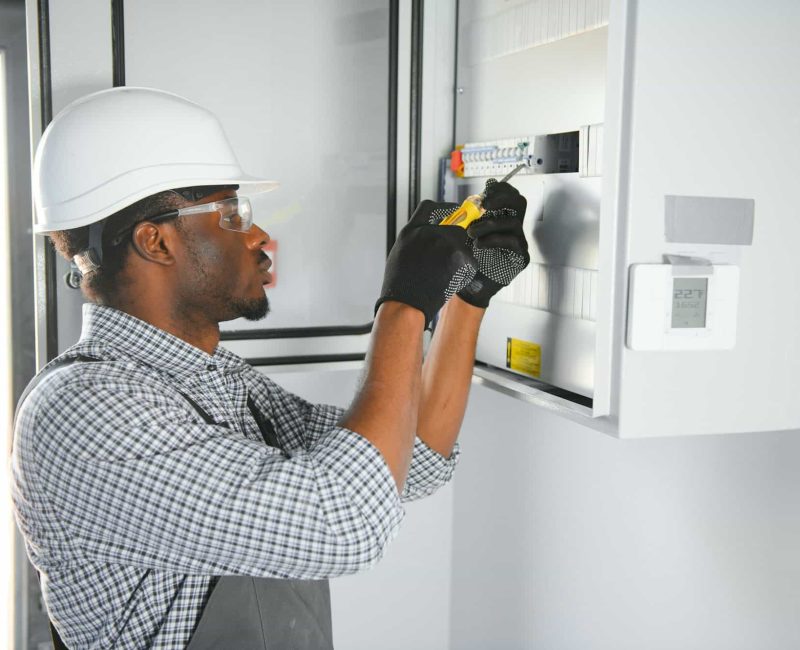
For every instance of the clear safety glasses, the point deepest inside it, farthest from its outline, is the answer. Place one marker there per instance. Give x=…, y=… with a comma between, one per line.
x=235, y=213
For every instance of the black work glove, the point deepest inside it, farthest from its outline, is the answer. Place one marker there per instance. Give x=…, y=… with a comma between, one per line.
x=428, y=264
x=498, y=243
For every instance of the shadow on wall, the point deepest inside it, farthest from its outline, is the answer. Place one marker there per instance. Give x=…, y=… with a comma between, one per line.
x=568, y=229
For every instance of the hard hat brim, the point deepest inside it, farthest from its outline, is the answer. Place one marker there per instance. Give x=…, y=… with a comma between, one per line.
x=248, y=185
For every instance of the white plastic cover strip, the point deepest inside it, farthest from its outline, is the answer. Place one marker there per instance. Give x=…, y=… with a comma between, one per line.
x=591, y=150
x=563, y=290
x=531, y=24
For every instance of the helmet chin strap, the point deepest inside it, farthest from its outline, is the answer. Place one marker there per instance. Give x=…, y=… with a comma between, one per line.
x=91, y=259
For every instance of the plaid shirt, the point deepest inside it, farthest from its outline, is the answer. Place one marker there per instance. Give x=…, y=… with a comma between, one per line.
x=130, y=502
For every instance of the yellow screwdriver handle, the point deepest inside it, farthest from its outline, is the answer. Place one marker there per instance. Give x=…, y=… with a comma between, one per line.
x=469, y=211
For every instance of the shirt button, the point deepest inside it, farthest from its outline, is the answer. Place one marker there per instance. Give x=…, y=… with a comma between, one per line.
x=211, y=367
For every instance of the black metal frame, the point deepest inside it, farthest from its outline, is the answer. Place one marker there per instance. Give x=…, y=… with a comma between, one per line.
x=118, y=42
x=296, y=332
x=391, y=142
x=48, y=281
x=415, y=144
x=541, y=386
x=455, y=73
x=310, y=358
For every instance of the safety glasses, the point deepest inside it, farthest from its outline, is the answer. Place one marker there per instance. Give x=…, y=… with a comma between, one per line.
x=235, y=213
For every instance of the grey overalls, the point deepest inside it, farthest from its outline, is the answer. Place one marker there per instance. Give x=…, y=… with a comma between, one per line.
x=243, y=612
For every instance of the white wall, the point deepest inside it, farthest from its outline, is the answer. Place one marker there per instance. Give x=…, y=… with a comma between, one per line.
x=404, y=602
x=566, y=538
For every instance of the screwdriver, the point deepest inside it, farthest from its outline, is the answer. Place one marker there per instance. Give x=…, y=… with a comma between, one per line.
x=472, y=207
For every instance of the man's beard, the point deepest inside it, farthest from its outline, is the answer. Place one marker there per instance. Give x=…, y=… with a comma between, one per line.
x=250, y=308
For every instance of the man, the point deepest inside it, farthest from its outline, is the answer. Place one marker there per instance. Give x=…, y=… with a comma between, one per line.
x=168, y=492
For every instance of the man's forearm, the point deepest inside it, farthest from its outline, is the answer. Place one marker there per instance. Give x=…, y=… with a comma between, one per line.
x=385, y=408
x=447, y=374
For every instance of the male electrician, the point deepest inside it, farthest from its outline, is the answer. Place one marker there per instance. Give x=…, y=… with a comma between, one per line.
x=169, y=494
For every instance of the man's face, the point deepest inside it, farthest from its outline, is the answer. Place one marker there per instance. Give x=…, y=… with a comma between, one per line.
x=222, y=272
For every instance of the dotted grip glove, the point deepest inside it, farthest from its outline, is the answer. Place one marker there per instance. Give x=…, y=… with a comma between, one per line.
x=498, y=243
x=428, y=264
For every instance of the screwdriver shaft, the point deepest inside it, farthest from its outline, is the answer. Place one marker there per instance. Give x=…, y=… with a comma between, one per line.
x=512, y=172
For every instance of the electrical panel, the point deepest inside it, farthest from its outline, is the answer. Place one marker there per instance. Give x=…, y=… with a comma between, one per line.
x=659, y=299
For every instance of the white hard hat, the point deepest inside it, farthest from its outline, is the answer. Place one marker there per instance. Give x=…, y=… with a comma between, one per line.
x=110, y=149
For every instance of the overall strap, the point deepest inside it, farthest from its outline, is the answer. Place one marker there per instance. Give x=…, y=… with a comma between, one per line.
x=264, y=424
x=201, y=411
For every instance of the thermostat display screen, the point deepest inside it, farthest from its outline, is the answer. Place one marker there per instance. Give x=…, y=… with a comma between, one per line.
x=689, y=300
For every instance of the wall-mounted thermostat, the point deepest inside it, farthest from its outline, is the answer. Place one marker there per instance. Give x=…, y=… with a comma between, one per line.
x=673, y=307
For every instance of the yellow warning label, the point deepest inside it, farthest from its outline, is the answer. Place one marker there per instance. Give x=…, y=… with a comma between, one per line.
x=524, y=356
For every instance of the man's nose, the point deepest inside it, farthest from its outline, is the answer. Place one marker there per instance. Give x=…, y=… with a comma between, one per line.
x=256, y=237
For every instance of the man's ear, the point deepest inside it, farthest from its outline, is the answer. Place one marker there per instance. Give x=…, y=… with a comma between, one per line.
x=155, y=242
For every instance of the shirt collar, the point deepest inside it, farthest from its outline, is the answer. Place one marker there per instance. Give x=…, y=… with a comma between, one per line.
x=148, y=344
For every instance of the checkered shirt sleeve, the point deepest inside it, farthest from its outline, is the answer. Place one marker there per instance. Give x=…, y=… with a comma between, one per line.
x=428, y=471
